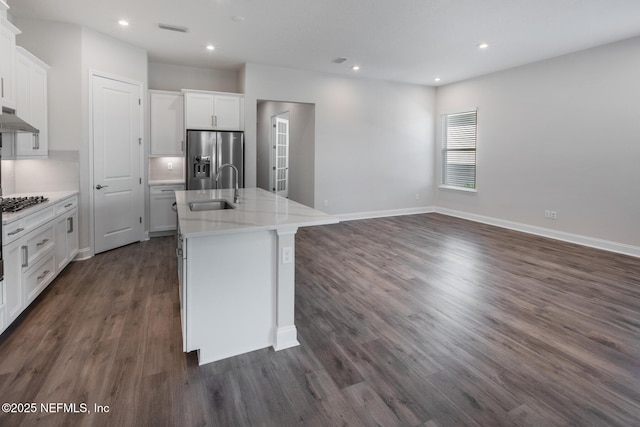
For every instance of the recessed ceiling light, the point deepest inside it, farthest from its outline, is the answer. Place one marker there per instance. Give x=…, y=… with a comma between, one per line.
x=437, y=79
x=355, y=67
x=210, y=47
x=483, y=46
x=123, y=23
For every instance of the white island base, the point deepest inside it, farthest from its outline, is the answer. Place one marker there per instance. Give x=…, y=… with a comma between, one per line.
x=237, y=273
x=239, y=294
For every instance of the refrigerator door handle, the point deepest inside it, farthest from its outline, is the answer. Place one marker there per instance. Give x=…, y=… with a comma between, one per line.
x=218, y=158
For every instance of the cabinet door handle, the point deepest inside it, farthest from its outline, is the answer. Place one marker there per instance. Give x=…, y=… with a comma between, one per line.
x=25, y=256
x=70, y=225
x=213, y=120
x=36, y=141
x=43, y=242
x=19, y=230
x=44, y=274
x=66, y=206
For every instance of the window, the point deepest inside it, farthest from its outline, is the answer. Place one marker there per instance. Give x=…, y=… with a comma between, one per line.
x=459, y=150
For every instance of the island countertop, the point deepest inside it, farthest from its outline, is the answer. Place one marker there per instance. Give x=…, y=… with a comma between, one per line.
x=257, y=210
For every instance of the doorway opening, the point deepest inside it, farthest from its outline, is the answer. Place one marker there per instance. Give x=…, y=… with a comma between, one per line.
x=286, y=152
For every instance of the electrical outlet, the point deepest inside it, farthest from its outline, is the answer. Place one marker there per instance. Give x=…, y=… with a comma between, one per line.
x=554, y=215
x=170, y=166
x=287, y=255
x=547, y=214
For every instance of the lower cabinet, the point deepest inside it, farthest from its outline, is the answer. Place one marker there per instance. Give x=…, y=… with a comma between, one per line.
x=12, y=255
x=36, y=277
x=162, y=216
x=33, y=260
x=29, y=268
x=66, y=229
x=3, y=307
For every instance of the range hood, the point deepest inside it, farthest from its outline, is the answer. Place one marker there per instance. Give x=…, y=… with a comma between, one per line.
x=9, y=122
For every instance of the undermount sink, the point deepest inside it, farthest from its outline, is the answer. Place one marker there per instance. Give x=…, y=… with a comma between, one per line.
x=210, y=205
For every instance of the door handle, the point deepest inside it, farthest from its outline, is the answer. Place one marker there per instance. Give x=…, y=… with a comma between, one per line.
x=98, y=187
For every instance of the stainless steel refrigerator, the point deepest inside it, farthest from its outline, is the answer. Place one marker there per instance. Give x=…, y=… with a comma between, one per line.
x=206, y=152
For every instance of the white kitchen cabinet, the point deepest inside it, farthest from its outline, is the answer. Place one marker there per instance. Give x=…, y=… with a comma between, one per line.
x=29, y=268
x=8, y=34
x=31, y=105
x=12, y=255
x=35, y=251
x=213, y=110
x=66, y=232
x=162, y=215
x=3, y=308
x=166, y=118
x=38, y=276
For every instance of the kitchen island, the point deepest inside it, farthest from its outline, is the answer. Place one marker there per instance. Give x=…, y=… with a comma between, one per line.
x=236, y=269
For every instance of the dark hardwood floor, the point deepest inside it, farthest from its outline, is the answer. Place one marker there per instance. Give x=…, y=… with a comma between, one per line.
x=421, y=320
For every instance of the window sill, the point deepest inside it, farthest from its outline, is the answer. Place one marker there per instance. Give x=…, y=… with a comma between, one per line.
x=450, y=187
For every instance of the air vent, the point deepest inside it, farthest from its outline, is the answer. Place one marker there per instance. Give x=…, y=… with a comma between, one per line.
x=339, y=60
x=176, y=28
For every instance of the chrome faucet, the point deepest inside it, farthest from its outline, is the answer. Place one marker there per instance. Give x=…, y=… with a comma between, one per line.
x=236, y=197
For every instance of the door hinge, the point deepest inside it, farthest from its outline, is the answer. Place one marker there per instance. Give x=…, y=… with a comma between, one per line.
x=140, y=220
x=140, y=180
x=139, y=141
x=139, y=101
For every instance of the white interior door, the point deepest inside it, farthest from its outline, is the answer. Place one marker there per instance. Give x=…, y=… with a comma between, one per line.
x=117, y=192
x=281, y=156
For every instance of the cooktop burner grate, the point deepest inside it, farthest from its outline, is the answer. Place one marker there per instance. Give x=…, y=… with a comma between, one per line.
x=15, y=204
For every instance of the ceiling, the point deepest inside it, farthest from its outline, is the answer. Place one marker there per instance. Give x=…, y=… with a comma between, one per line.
x=411, y=41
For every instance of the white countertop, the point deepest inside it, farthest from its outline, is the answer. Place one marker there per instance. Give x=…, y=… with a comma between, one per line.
x=53, y=196
x=258, y=210
x=166, y=181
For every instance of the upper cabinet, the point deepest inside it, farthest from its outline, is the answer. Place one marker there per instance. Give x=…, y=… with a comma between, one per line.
x=8, y=34
x=213, y=110
x=166, y=111
x=31, y=104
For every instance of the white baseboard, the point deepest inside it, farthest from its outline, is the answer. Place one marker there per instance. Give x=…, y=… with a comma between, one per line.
x=592, y=242
x=381, y=214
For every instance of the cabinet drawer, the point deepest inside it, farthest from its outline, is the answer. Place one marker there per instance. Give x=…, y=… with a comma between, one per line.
x=66, y=205
x=38, y=218
x=37, y=243
x=12, y=231
x=38, y=277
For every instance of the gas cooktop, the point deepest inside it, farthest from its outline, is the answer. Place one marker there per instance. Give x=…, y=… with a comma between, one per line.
x=15, y=204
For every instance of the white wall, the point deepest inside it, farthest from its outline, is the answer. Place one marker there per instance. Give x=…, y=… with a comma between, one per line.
x=176, y=77
x=72, y=52
x=374, y=143
x=562, y=135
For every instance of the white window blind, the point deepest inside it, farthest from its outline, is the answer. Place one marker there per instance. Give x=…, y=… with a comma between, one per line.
x=459, y=149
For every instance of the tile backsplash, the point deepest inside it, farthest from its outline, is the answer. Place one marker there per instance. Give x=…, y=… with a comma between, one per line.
x=159, y=168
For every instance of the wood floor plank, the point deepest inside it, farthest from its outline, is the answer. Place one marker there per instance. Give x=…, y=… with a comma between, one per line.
x=420, y=320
